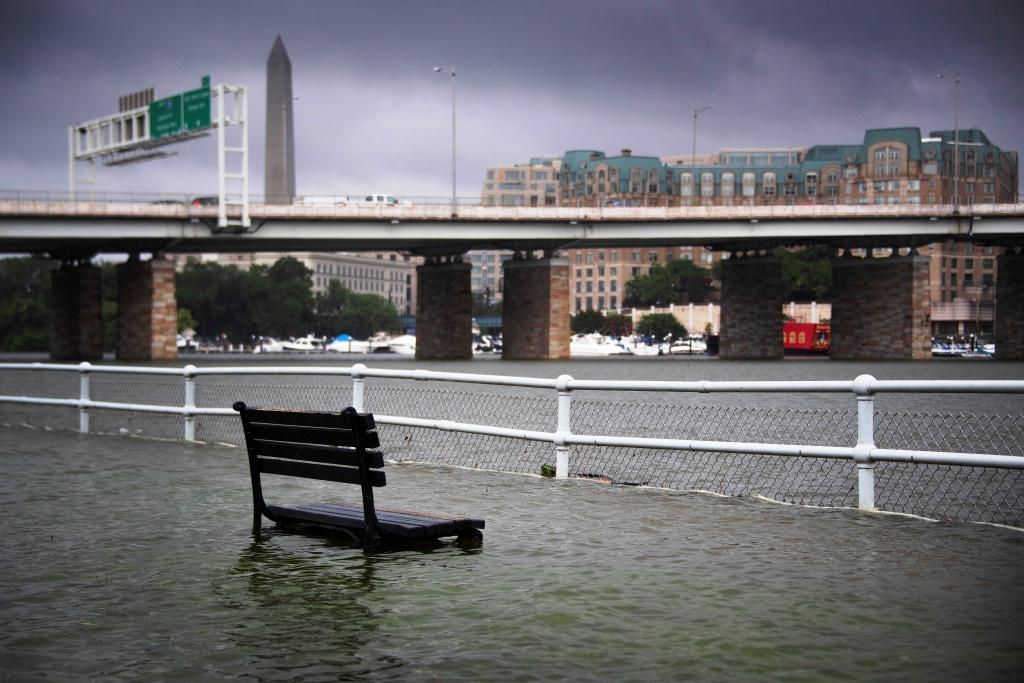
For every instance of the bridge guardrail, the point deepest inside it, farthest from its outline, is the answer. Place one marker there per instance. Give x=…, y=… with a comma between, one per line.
x=657, y=428
x=17, y=202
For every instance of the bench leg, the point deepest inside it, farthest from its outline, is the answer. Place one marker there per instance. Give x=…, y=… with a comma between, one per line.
x=473, y=538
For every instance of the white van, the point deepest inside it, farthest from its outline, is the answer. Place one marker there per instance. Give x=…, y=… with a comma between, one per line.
x=377, y=200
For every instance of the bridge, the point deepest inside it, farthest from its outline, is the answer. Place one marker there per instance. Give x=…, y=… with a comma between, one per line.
x=39, y=223
x=880, y=310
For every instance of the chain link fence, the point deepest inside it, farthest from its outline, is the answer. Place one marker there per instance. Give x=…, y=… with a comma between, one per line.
x=934, y=491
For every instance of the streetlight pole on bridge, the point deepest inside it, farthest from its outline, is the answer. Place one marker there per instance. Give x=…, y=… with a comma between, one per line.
x=451, y=70
x=696, y=113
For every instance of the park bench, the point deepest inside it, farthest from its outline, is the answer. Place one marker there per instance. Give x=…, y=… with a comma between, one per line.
x=340, y=447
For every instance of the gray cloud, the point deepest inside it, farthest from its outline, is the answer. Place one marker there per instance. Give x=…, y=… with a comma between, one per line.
x=533, y=78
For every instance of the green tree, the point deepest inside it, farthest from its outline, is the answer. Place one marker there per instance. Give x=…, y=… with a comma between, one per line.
x=586, y=322
x=218, y=298
x=659, y=325
x=25, y=304
x=282, y=298
x=806, y=273
x=361, y=315
x=185, y=320
x=678, y=282
x=618, y=325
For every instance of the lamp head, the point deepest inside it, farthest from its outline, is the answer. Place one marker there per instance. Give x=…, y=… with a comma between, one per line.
x=437, y=69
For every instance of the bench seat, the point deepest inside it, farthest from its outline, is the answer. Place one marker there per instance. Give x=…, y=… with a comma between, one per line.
x=411, y=525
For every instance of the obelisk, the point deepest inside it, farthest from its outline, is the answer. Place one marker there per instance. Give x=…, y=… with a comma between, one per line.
x=279, y=165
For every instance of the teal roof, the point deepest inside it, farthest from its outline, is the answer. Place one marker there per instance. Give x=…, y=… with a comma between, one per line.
x=843, y=154
x=966, y=135
x=911, y=137
x=815, y=159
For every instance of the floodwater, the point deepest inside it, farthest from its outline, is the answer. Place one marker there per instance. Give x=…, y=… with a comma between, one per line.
x=127, y=559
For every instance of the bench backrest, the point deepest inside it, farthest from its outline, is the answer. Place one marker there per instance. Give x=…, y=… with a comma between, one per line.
x=341, y=447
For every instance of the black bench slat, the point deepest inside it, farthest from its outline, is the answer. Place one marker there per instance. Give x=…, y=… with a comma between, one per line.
x=316, y=453
x=296, y=418
x=327, y=436
x=345, y=475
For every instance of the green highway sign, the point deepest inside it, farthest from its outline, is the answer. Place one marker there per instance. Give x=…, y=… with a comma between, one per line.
x=165, y=117
x=195, y=106
x=180, y=113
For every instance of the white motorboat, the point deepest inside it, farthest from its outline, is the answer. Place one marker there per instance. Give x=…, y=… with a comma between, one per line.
x=268, y=345
x=594, y=345
x=639, y=347
x=693, y=344
x=404, y=345
x=307, y=344
x=344, y=343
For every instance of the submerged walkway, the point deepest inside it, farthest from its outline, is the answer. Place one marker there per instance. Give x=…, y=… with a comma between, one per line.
x=132, y=559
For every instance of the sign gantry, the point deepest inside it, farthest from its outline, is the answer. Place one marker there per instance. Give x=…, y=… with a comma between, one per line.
x=144, y=128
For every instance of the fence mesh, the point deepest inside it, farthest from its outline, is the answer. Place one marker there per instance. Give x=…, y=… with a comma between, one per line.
x=940, y=492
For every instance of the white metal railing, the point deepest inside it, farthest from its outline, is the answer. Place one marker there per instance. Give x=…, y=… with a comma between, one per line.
x=864, y=453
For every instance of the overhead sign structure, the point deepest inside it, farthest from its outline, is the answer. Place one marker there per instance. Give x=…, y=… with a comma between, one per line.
x=138, y=133
x=181, y=113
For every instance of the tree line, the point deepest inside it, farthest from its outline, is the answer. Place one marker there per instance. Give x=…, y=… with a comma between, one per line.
x=278, y=300
x=217, y=301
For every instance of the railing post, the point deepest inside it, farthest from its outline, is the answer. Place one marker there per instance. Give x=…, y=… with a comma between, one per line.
x=83, y=395
x=190, y=402
x=358, y=386
x=564, y=426
x=865, y=442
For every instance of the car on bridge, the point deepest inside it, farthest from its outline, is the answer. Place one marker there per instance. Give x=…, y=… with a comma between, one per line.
x=371, y=200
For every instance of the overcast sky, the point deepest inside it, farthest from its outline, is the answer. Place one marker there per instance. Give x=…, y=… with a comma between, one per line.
x=534, y=78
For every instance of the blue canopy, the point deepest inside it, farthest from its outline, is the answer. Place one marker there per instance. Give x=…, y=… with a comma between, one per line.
x=343, y=337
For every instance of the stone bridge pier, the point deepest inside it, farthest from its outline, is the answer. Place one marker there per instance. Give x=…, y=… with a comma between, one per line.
x=751, y=324
x=880, y=307
x=147, y=310
x=76, y=332
x=1009, y=332
x=535, y=312
x=444, y=309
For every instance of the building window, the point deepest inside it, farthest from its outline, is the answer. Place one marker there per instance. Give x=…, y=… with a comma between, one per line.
x=685, y=185
x=707, y=184
x=811, y=184
x=851, y=171
x=887, y=161
x=728, y=184
x=767, y=184
x=748, y=183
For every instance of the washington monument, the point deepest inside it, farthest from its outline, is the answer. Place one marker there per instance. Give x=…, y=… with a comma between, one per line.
x=279, y=164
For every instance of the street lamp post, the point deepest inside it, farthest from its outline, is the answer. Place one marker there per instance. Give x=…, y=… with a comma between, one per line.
x=956, y=137
x=696, y=113
x=451, y=70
